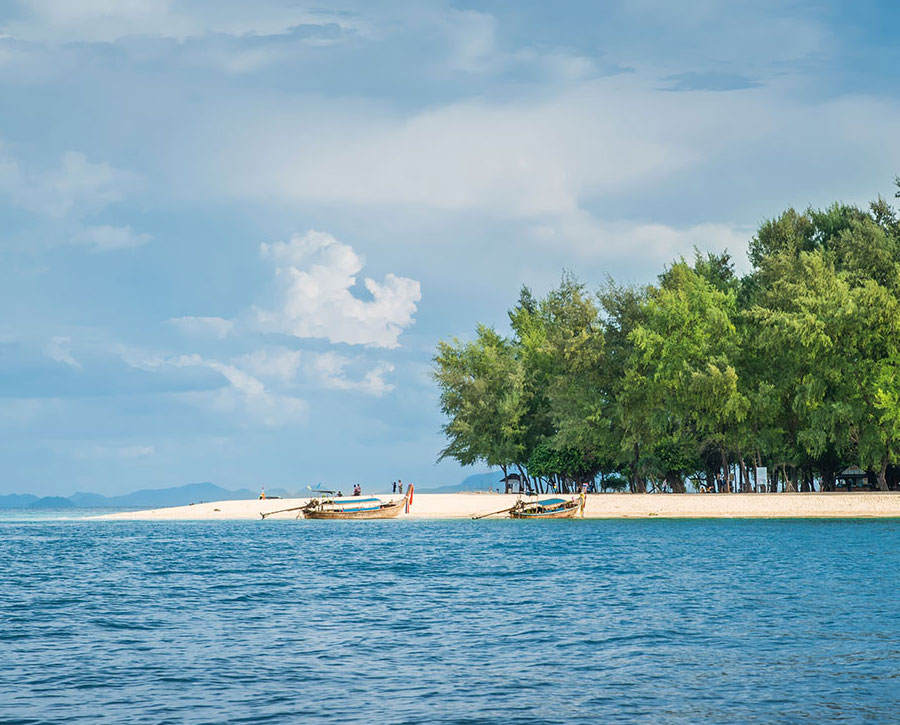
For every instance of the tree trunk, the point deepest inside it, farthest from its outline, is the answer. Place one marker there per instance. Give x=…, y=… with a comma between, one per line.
x=788, y=484
x=725, y=472
x=882, y=481
x=745, y=478
x=634, y=469
x=828, y=477
x=676, y=483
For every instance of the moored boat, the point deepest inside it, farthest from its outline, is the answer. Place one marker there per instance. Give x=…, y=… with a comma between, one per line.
x=354, y=508
x=329, y=506
x=548, y=508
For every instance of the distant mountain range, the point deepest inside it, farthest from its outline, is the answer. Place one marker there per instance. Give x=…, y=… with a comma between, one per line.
x=476, y=482
x=145, y=498
x=195, y=493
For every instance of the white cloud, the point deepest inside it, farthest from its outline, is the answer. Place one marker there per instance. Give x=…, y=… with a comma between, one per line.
x=600, y=143
x=284, y=368
x=520, y=159
x=654, y=244
x=244, y=395
x=318, y=369
x=58, y=349
x=139, y=359
x=473, y=35
x=107, y=238
x=125, y=452
x=76, y=186
x=279, y=363
x=317, y=274
x=216, y=327
x=329, y=369
x=103, y=21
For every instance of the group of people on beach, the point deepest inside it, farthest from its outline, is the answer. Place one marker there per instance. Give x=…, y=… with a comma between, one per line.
x=396, y=487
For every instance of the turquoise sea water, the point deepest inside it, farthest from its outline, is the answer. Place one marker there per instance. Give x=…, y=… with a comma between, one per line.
x=449, y=621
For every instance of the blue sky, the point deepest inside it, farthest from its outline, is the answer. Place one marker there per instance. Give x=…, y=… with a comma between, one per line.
x=231, y=233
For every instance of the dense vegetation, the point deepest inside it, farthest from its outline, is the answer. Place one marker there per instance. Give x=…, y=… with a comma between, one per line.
x=704, y=375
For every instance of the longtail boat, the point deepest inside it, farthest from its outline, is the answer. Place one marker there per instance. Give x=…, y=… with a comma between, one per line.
x=354, y=508
x=351, y=507
x=548, y=508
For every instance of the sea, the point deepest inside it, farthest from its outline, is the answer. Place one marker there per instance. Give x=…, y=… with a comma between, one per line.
x=494, y=621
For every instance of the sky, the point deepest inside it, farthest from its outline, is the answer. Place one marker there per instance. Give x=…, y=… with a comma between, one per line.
x=231, y=233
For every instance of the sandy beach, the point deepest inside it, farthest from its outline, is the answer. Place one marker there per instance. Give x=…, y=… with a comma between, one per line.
x=599, y=506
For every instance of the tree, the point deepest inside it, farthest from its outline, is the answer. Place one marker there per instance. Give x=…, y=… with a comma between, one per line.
x=680, y=390
x=482, y=394
x=825, y=324
x=565, y=468
x=799, y=320
x=796, y=364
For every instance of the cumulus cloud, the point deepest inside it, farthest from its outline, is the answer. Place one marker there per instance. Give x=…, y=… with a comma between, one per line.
x=316, y=274
x=278, y=363
x=318, y=369
x=282, y=369
x=330, y=367
x=216, y=327
x=107, y=238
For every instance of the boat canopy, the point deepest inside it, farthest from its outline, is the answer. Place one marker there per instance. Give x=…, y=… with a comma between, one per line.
x=351, y=500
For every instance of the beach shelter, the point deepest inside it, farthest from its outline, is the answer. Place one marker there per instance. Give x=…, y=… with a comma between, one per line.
x=512, y=483
x=853, y=477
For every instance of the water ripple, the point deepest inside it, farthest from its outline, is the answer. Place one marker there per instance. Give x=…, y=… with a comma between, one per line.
x=449, y=622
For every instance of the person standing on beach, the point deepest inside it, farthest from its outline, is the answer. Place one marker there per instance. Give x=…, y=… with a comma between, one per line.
x=399, y=486
x=393, y=487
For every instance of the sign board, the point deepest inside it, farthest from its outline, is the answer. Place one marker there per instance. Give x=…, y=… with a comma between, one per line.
x=762, y=479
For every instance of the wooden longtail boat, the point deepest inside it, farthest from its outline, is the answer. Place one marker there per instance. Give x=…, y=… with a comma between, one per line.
x=548, y=508
x=351, y=507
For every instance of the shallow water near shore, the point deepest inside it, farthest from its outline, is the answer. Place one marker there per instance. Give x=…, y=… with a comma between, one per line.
x=449, y=621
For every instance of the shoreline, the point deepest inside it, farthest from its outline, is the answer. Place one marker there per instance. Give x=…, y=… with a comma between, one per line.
x=869, y=504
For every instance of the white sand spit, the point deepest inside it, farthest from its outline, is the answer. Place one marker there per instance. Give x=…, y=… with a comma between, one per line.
x=599, y=506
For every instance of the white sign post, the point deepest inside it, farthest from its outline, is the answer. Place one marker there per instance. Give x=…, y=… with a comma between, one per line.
x=762, y=479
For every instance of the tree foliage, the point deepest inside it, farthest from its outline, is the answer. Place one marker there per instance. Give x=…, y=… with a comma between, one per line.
x=705, y=374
